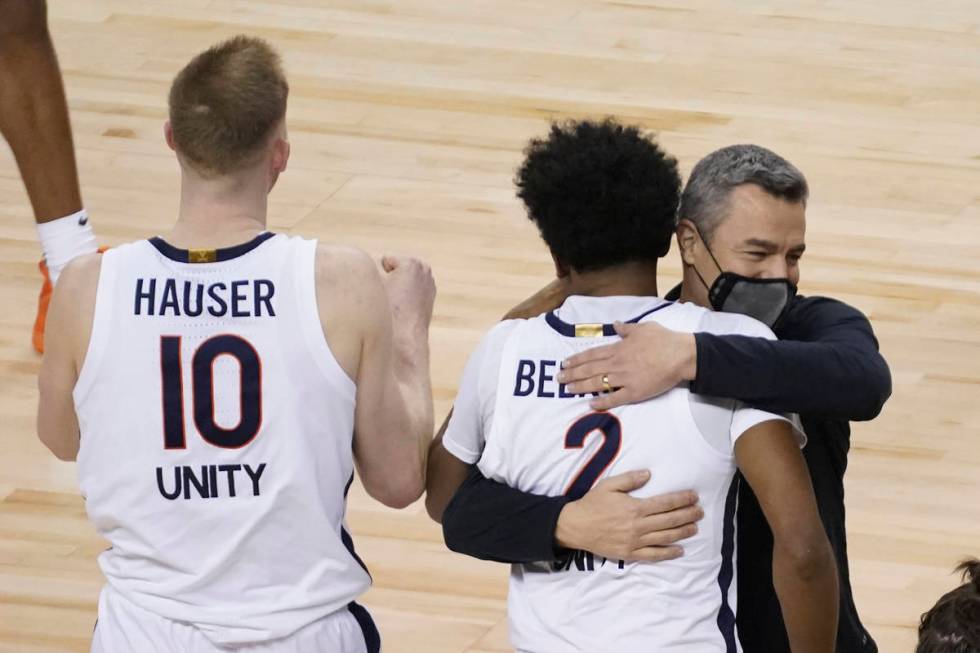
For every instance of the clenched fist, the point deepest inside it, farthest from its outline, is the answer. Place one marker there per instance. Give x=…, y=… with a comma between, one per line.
x=411, y=291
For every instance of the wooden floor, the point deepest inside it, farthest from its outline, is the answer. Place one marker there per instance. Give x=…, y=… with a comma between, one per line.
x=407, y=119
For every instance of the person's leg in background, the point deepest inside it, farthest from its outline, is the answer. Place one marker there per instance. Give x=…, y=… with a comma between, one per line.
x=34, y=121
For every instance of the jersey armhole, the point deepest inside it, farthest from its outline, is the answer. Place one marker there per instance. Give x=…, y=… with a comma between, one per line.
x=491, y=371
x=494, y=454
x=101, y=326
x=307, y=304
x=711, y=418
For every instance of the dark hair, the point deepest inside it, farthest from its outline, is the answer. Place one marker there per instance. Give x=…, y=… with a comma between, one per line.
x=225, y=103
x=705, y=198
x=601, y=193
x=953, y=624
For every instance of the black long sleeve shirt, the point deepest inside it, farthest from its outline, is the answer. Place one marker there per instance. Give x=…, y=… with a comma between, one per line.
x=826, y=367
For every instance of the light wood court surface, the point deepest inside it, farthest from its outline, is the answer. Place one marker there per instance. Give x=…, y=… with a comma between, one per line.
x=407, y=118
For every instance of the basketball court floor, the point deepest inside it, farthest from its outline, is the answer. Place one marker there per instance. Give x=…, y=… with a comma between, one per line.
x=407, y=119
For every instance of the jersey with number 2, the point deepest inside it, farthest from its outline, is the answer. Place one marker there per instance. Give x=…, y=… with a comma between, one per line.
x=525, y=429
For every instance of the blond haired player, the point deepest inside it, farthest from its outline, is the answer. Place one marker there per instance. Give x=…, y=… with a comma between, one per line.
x=217, y=386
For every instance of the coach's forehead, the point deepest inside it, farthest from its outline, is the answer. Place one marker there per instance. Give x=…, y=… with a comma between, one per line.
x=753, y=216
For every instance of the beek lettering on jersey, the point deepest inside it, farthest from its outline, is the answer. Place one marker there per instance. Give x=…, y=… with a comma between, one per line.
x=243, y=298
x=537, y=378
x=213, y=482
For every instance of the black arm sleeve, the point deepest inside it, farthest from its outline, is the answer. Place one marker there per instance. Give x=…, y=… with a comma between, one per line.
x=491, y=521
x=826, y=364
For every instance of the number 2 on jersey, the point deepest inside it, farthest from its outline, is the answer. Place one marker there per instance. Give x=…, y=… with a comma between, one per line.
x=202, y=367
x=612, y=438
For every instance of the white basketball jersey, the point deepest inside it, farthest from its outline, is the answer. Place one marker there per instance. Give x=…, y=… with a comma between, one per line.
x=535, y=436
x=216, y=435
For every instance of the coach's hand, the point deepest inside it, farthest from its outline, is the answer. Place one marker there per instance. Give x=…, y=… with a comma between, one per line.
x=647, y=362
x=609, y=522
x=411, y=291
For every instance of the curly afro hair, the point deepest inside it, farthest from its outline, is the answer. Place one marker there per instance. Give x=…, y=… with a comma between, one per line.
x=601, y=193
x=953, y=624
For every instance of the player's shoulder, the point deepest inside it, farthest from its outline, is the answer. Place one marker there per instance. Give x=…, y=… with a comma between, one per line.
x=348, y=284
x=489, y=352
x=344, y=260
x=82, y=271
x=728, y=324
x=75, y=294
x=502, y=330
x=348, y=277
x=494, y=339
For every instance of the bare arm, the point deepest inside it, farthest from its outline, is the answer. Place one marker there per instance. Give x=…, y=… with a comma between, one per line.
x=411, y=291
x=445, y=474
x=66, y=337
x=803, y=568
x=393, y=415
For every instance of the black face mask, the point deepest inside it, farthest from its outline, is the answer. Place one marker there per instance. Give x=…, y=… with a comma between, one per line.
x=763, y=299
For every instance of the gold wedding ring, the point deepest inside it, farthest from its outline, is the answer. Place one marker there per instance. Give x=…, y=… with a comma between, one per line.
x=605, y=383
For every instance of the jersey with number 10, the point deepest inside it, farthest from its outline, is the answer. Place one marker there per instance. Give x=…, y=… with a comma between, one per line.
x=216, y=431
x=538, y=437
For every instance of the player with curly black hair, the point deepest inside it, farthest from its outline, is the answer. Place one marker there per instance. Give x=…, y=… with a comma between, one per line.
x=953, y=624
x=604, y=197
x=601, y=194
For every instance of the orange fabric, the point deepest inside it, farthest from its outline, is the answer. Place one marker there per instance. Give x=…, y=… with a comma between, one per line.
x=43, y=300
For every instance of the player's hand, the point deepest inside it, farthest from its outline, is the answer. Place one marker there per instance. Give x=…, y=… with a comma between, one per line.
x=609, y=522
x=647, y=362
x=547, y=299
x=411, y=291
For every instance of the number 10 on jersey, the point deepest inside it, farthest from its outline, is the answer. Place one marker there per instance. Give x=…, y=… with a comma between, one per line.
x=202, y=391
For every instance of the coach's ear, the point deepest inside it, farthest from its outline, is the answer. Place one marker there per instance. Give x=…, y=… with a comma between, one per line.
x=687, y=241
x=168, y=135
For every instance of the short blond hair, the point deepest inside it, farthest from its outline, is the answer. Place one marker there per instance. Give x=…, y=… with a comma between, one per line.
x=225, y=103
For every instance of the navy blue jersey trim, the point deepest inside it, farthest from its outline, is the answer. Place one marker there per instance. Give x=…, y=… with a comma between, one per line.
x=568, y=330
x=726, y=617
x=372, y=638
x=223, y=254
x=349, y=544
x=347, y=539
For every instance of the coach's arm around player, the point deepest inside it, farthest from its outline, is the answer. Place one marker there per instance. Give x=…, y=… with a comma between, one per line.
x=826, y=364
x=606, y=519
x=492, y=521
